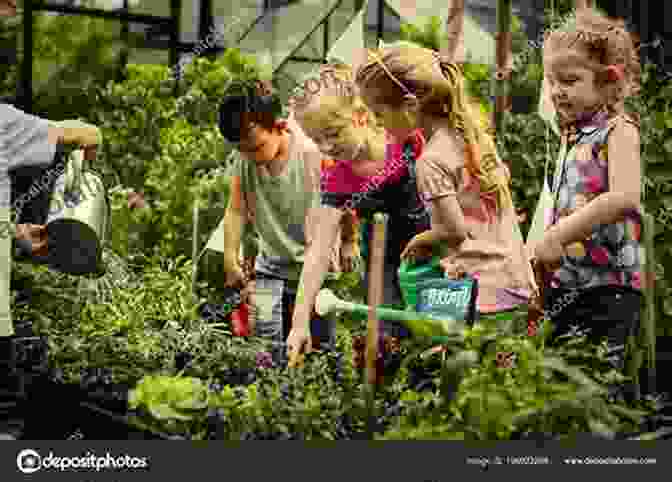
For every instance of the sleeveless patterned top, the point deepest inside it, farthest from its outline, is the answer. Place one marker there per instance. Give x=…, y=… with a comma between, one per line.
x=611, y=256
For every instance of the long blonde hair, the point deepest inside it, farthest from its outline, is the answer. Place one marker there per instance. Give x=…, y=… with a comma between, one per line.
x=334, y=104
x=402, y=69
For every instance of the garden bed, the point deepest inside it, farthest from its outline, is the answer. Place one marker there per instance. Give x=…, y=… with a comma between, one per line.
x=144, y=362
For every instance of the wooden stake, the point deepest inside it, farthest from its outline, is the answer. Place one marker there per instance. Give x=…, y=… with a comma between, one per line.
x=375, y=294
x=375, y=299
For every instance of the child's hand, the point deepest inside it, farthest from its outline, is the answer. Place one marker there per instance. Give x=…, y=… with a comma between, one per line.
x=549, y=252
x=248, y=296
x=299, y=342
x=234, y=277
x=36, y=234
x=417, y=248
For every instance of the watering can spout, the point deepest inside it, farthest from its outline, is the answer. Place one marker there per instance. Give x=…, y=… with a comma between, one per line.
x=327, y=302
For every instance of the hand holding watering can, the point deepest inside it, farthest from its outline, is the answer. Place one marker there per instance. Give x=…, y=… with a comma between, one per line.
x=79, y=214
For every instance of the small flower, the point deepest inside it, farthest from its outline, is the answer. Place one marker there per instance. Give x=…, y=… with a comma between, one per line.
x=264, y=360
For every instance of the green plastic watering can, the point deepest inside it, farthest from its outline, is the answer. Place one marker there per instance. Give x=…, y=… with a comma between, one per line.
x=439, y=330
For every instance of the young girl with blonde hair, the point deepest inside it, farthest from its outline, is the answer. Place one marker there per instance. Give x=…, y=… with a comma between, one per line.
x=592, y=248
x=363, y=173
x=474, y=227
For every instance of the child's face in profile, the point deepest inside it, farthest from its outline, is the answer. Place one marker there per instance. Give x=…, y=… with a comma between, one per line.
x=339, y=137
x=574, y=87
x=7, y=8
x=262, y=145
x=395, y=120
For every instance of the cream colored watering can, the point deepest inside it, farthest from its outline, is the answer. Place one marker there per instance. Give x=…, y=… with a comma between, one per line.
x=78, y=222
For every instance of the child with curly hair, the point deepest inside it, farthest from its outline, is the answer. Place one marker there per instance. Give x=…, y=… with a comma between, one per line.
x=592, y=247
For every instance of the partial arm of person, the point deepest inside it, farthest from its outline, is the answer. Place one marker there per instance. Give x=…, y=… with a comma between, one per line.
x=439, y=185
x=234, y=218
x=315, y=266
x=622, y=199
x=75, y=132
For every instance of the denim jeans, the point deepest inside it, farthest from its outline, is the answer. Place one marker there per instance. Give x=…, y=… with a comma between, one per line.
x=275, y=299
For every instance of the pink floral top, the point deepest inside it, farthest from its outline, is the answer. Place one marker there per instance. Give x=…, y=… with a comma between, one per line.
x=611, y=255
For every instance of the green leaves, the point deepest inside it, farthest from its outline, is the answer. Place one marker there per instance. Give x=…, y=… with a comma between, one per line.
x=170, y=398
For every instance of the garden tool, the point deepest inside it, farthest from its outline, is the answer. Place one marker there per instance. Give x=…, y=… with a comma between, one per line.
x=426, y=325
x=79, y=219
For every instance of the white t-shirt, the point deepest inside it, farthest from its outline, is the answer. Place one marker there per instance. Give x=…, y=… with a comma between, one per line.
x=24, y=141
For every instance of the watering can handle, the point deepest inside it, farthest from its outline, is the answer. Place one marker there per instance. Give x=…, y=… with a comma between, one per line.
x=76, y=167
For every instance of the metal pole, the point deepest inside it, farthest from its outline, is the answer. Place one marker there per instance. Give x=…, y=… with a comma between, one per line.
x=175, y=12
x=325, y=41
x=205, y=22
x=503, y=73
x=381, y=19
x=123, y=57
x=26, y=92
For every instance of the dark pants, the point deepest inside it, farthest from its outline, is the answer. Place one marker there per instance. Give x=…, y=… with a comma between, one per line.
x=608, y=313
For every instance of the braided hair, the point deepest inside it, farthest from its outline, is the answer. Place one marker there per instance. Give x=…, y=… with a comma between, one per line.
x=605, y=43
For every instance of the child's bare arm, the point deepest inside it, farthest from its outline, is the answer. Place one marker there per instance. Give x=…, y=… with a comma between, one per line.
x=75, y=132
x=233, y=225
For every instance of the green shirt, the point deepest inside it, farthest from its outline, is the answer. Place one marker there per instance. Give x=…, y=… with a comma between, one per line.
x=279, y=207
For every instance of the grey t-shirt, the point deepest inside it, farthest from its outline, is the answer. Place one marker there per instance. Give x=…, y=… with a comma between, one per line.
x=24, y=141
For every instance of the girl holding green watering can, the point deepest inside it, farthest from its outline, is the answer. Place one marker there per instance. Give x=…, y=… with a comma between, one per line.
x=474, y=225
